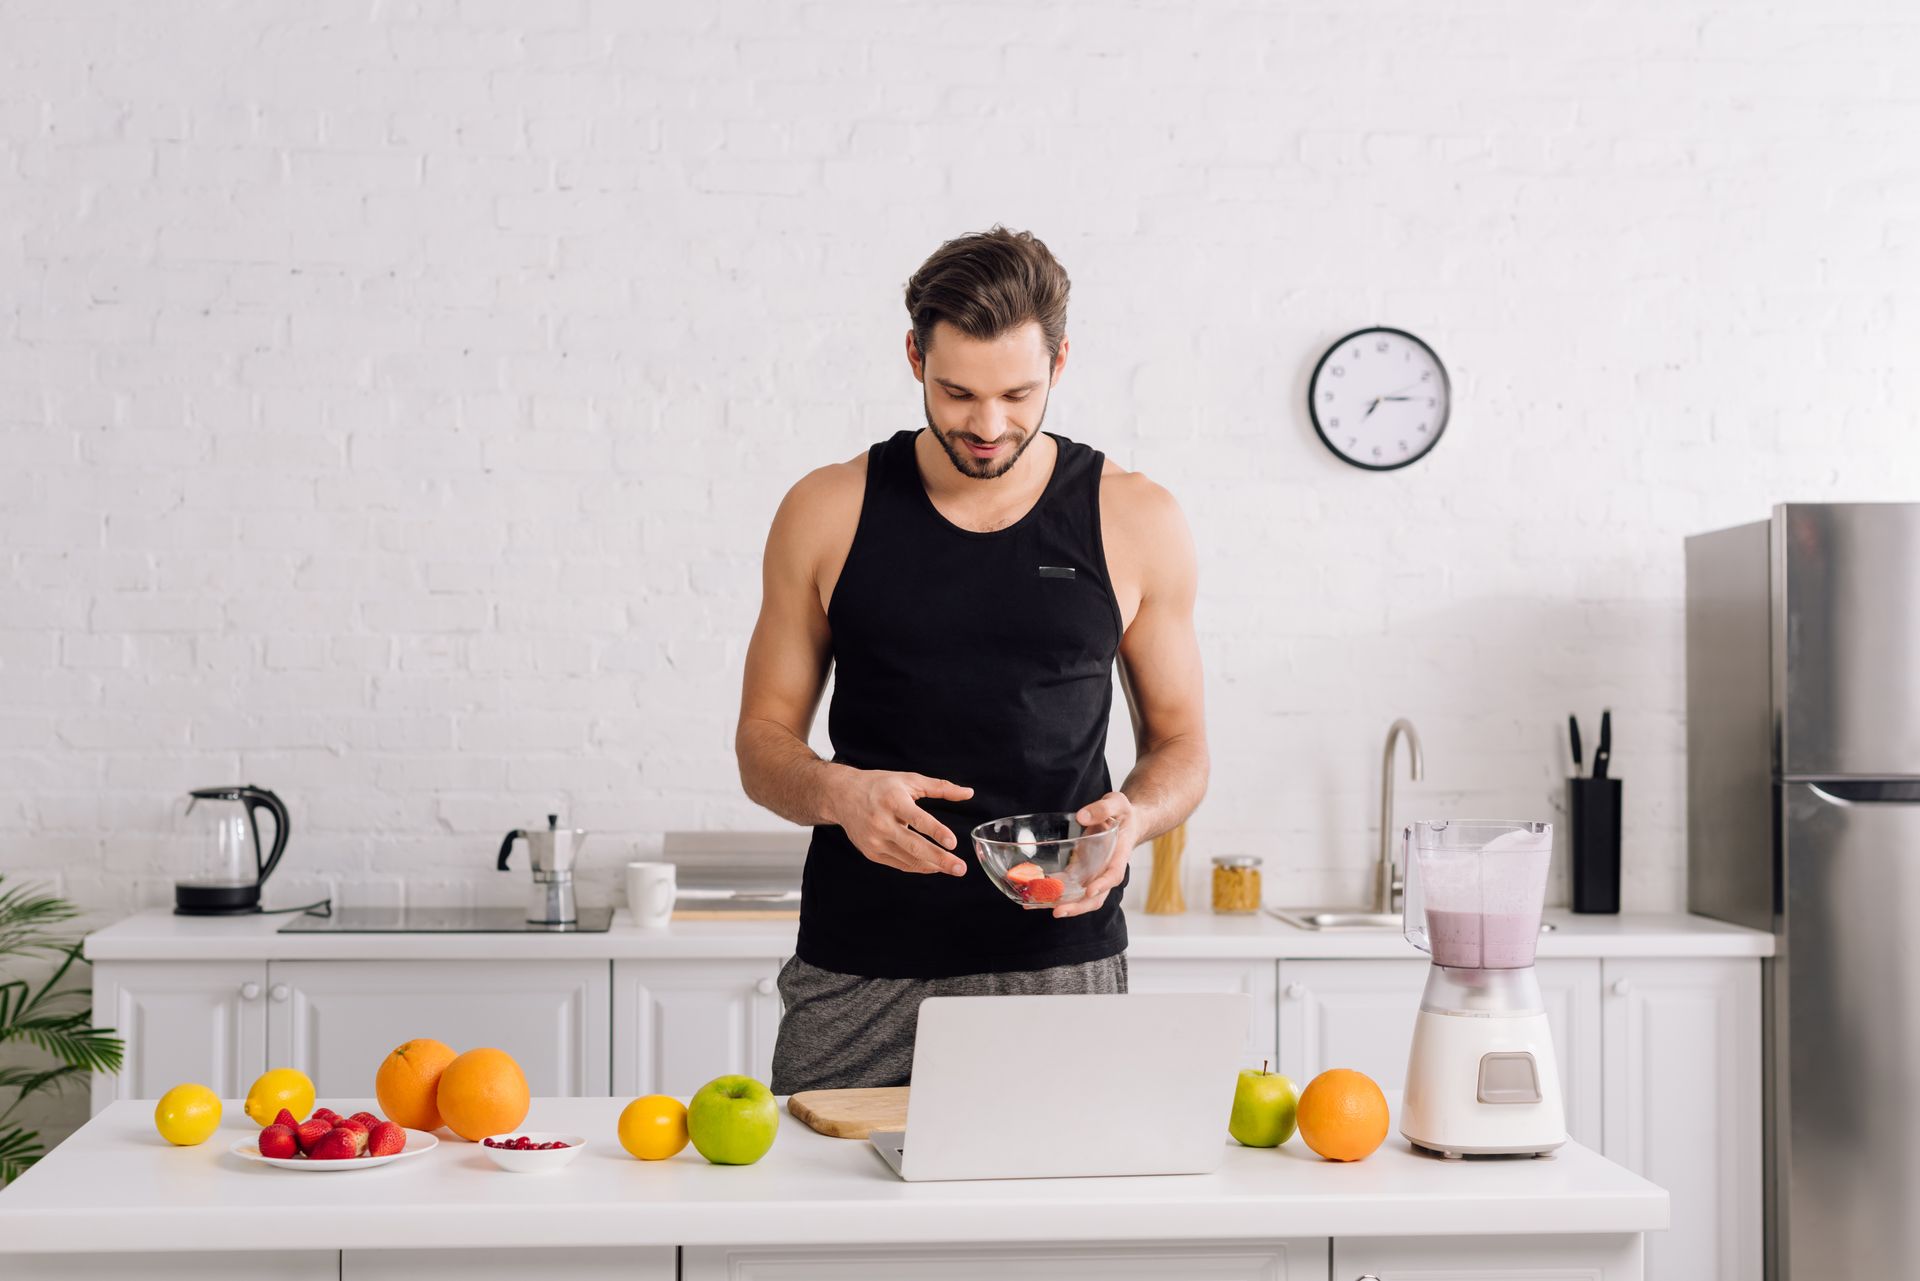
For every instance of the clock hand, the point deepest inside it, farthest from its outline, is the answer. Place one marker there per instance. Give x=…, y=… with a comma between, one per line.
x=1375, y=404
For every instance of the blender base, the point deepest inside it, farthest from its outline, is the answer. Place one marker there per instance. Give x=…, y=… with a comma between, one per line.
x=1482, y=1086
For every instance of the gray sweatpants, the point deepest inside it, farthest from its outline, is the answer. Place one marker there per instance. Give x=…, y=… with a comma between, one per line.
x=840, y=1031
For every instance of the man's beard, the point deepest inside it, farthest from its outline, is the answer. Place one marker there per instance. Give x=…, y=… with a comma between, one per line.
x=979, y=468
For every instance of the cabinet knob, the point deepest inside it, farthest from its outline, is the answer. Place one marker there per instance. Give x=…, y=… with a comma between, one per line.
x=1296, y=991
x=280, y=992
x=1622, y=988
x=764, y=987
x=249, y=991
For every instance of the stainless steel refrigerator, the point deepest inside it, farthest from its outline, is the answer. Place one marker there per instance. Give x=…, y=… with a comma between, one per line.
x=1803, y=818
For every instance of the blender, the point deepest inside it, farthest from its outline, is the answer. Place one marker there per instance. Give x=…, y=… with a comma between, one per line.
x=1481, y=1076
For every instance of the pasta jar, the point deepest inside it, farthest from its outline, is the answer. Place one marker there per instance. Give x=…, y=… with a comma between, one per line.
x=1236, y=884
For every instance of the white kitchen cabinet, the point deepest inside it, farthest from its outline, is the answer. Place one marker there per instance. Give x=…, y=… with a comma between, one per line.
x=1359, y=1014
x=511, y=1263
x=209, y=1265
x=1683, y=1106
x=199, y=1021
x=679, y=1024
x=1518, y=1258
x=336, y=1020
x=1297, y=1260
x=1254, y=977
x=1350, y=1014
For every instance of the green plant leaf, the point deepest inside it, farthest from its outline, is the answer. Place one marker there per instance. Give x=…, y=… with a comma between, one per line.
x=27, y=915
x=18, y=1149
x=29, y=1081
x=95, y=1049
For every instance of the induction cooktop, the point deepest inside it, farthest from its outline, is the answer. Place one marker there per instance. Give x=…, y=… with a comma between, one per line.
x=443, y=920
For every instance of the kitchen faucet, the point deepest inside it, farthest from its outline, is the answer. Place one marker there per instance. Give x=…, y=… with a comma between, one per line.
x=1388, y=880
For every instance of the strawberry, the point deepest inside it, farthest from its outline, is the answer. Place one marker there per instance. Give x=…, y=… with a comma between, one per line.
x=1021, y=873
x=337, y=1145
x=286, y=1118
x=1044, y=890
x=351, y=1124
x=325, y=1114
x=367, y=1119
x=311, y=1133
x=279, y=1141
x=385, y=1139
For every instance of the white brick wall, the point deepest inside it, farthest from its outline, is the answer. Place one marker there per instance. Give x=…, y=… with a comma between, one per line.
x=393, y=396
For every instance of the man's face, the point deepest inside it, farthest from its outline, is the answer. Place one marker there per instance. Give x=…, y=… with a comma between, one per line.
x=985, y=400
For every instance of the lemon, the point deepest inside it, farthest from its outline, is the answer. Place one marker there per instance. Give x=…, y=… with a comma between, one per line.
x=187, y=1114
x=279, y=1088
x=653, y=1128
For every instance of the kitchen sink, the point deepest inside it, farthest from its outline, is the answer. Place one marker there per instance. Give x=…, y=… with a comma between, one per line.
x=1347, y=919
x=1337, y=919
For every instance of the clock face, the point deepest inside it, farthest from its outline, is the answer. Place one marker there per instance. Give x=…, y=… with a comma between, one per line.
x=1379, y=398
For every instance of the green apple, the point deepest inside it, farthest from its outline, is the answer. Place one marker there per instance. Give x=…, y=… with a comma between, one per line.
x=732, y=1120
x=1264, y=1107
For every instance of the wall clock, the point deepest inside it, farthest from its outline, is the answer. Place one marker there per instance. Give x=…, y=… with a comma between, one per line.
x=1379, y=398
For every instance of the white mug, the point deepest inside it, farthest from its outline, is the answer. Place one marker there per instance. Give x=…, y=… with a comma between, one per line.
x=650, y=894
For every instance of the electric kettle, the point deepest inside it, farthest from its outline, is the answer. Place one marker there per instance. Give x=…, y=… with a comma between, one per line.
x=230, y=864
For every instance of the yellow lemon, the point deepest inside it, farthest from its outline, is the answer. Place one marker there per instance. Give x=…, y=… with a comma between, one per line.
x=653, y=1128
x=187, y=1114
x=279, y=1088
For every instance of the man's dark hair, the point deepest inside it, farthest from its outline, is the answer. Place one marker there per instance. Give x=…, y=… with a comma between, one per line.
x=988, y=282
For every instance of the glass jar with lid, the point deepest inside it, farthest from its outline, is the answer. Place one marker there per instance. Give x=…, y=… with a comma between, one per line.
x=1236, y=884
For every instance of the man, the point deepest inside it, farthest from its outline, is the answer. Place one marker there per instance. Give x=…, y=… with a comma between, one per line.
x=972, y=585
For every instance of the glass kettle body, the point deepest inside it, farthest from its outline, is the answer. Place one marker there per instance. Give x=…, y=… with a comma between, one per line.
x=231, y=862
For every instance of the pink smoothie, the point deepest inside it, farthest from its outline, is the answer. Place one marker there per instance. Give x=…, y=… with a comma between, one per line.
x=1482, y=940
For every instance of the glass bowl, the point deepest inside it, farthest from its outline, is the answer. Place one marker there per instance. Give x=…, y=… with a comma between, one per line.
x=1044, y=860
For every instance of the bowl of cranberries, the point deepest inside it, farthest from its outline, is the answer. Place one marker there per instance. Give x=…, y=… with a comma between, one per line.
x=1044, y=860
x=533, y=1151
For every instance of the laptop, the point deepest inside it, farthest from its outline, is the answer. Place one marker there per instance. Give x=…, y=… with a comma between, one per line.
x=1018, y=1087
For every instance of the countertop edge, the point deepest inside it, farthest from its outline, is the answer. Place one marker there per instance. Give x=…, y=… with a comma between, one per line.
x=157, y=936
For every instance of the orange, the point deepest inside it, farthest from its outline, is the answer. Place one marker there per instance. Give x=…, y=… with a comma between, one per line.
x=482, y=1093
x=654, y=1127
x=408, y=1082
x=1343, y=1115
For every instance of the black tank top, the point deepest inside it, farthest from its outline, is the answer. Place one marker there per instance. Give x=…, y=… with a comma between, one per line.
x=981, y=658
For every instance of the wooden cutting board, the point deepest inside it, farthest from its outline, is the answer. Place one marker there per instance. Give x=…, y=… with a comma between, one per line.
x=851, y=1114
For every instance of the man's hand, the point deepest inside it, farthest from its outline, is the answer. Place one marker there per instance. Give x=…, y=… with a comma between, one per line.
x=1115, y=807
x=876, y=809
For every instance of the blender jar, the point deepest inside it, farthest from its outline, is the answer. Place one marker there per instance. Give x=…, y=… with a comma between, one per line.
x=1475, y=891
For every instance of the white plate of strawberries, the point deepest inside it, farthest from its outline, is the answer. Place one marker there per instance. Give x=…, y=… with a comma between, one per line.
x=329, y=1141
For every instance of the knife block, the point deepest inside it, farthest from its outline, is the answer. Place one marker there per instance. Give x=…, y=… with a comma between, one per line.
x=1593, y=822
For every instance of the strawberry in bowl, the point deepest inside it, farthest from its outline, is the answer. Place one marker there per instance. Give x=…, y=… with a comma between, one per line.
x=1043, y=860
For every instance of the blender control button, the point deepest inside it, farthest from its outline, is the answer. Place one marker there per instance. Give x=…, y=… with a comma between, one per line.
x=1509, y=1077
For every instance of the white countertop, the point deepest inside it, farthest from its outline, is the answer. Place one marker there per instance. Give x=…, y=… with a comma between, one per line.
x=158, y=935
x=115, y=1185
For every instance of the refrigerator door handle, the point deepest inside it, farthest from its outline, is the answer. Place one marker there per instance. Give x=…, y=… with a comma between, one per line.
x=1868, y=791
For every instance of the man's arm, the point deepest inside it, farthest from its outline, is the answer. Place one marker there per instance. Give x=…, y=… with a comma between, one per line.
x=1161, y=677
x=786, y=670
x=787, y=662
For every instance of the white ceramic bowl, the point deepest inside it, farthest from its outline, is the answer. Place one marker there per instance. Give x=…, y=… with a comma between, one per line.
x=534, y=1162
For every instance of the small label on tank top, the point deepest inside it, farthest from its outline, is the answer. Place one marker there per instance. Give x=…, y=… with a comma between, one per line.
x=1056, y=571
